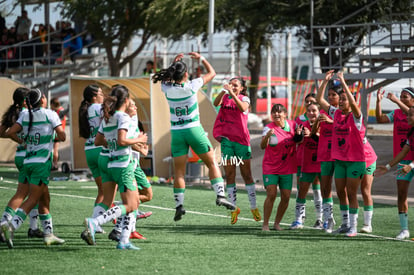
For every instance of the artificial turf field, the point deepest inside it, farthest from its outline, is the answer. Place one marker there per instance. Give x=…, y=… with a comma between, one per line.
x=204, y=241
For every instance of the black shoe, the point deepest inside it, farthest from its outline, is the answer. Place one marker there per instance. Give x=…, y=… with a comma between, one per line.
x=179, y=212
x=84, y=236
x=114, y=235
x=36, y=233
x=222, y=201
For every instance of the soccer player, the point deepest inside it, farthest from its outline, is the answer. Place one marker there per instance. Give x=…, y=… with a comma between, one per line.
x=37, y=125
x=113, y=133
x=9, y=118
x=230, y=129
x=186, y=129
x=279, y=140
x=348, y=152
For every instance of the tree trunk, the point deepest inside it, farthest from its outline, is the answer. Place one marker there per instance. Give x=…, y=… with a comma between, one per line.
x=254, y=62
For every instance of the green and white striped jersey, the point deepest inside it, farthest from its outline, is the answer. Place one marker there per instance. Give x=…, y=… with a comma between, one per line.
x=182, y=99
x=120, y=156
x=94, y=119
x=40, y=139
x=21, y=148
x=133, y=132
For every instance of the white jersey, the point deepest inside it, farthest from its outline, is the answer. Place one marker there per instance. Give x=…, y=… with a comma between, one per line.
x=21, y=148
x=182, y=99
x=120, y=156
x=94, y=120
x=40, y=139
x=133, y=132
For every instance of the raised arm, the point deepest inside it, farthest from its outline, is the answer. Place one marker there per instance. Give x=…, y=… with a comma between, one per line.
x=397, y=101
x=321, y=91
x=352, y=103
x=381, y=118
x=211, y=73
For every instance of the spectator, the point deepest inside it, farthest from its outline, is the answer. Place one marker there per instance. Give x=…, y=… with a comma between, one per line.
x=149, y=69
x=23, y=24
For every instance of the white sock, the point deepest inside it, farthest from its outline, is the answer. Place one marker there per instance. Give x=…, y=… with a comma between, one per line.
x=368, y=217
x=97, y=210
x=118, y=225
x=34, y=216
x=345, y=217
x=18, y=219
x=300, y=211
x=353, y=221
x=46, y=221
x=179, y=199
x=218, y=186
x=108, y=215
x=317, y=199
x=6, y=217
x=134, y=221
x=232, y=193
x=126, y=228
x=251, y=193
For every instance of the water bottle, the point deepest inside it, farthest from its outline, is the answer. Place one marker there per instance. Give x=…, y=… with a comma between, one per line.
x=60, y=178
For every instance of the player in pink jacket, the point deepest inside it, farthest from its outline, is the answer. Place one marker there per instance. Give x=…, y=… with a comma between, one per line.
x=230, y=129
x=279, y=140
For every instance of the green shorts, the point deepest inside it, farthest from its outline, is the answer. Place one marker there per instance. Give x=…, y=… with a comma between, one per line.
x=409, y=176
x=124, y=177
x=371, y=169
x=309, y=177
x=327, y=168
x=233, y=149
x=284, y=181
x=92, y=157
x=349, y=169
x=194, y=137
x=141, y=178
x=103, y=168
x=38, y=173
x=18, y=161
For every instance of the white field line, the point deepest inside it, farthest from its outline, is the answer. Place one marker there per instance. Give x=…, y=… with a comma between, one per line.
x=212, y=215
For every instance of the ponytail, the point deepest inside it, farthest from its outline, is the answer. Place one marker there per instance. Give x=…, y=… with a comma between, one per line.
x=88, y=93
x=33, y=100
x=13, y=112
x=174, y=73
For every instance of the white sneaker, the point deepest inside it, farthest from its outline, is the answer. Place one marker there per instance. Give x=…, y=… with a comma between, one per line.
x=296, y=225
x=51, y=239
x=351, y=233
x=404, y=234
x=366, y=229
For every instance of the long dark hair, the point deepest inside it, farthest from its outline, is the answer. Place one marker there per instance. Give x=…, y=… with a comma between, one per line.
x=174, y=73
x=88, y=93
x=33, y=101
x=113, y=102
x=13, y=112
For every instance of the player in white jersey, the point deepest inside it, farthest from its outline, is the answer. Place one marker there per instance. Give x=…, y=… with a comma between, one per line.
x=38, y=125
x=8, y=119
x=113, y=133
x=90, y=117
x=186, y=129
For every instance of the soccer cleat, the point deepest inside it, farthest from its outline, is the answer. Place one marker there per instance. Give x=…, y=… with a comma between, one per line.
x=127, y=246
x=114, y=235
x=296, y=225
x=366, y=229
x=404, y=234
x=344, y=228
x=90, y=231
x=51, y=239
x=143, y=215
x=222, y=201
x=7, y=232
x=179, y=212
x=256, y=214
x=351, y=233
x=34, y=233
x=318, y=224
x=234, y=215
x=136, y=235
x=330, y=224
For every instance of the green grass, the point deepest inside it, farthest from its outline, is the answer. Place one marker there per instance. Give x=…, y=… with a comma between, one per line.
x=203, y=242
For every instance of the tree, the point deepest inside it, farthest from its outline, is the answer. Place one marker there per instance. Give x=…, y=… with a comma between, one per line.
x=328, y=12
x=113, y=23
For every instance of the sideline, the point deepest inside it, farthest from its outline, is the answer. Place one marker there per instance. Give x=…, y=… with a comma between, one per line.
x=213, y=215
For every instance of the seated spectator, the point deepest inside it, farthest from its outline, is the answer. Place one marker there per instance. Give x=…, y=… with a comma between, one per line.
x=72, y=44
